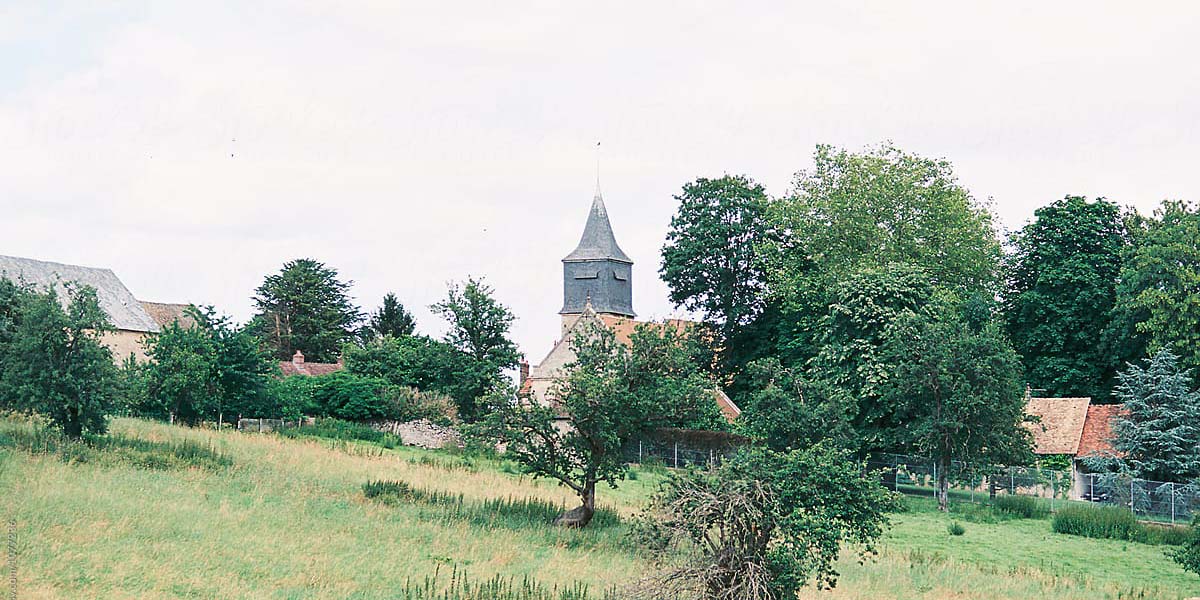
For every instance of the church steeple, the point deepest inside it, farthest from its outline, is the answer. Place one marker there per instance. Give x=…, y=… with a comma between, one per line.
x=597, y=270
x=598, y=241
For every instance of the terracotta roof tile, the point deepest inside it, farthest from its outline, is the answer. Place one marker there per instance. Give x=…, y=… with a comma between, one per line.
x=1061, y=424
x=1098, y=429
x=308, y=368
x=623, y=327
x=165, y=314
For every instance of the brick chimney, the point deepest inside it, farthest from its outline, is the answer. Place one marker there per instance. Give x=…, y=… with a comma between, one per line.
x=298, y=358
x=524, y=370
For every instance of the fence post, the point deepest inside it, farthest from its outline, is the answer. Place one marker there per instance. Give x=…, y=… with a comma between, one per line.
x=1091, y=487
x=639, y=452
x=1132, y=482
x=676, y=455
x=1012, y=481
x=710, y=458
x=1172, y=503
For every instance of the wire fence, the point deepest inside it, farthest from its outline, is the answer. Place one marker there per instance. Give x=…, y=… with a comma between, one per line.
x=1148, y=500
x=673, y=454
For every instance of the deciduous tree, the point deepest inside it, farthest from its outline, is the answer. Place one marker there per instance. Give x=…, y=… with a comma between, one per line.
x=479, y=326
x=609, y=396
x=1061, y=290
x=958, y=390
x=854, y=211
x=712, y=265
x=54, y=363
x=1160, y=284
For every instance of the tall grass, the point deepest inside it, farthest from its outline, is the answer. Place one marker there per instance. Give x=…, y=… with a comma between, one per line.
x=487, y=513
x=1117, y=523
x=113, y=448
x=460, y=587
x=1024, y=507
x=1110, y=522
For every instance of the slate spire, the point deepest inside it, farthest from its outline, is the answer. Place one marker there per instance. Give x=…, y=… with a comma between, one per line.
x=598, y=241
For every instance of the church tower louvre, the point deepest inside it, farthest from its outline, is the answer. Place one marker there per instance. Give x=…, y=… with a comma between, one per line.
x=597, y=272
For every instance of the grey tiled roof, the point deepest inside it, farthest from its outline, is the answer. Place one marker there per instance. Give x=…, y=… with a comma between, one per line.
x=598, y=241
x=124, y=311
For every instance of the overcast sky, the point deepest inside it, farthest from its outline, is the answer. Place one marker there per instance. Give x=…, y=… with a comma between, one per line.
x=193, y=149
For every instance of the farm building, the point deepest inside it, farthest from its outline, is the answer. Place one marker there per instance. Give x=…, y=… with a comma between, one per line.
x=1071, y=427
x=128, y=316
x=597, y=288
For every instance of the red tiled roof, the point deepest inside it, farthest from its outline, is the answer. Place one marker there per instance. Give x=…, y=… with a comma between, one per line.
x=728, y=408
x=308, y=368
x=1061, y=424
x=1098, y=429
x=623, y=327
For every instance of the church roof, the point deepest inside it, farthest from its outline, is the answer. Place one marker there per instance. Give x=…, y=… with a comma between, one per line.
x=123, y=310
x=598, y=241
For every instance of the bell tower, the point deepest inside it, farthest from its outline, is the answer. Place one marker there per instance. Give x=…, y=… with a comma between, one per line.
x=597, y=272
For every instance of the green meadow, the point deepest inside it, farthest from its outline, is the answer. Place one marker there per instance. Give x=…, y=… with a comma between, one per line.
x=169, y=512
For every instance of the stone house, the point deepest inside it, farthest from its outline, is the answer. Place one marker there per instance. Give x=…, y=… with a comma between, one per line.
x=128, y=316
x=597, y=288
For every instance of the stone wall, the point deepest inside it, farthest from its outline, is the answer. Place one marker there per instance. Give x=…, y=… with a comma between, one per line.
x=421, y=433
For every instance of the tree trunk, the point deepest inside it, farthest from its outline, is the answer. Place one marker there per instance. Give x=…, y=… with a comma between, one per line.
x=943, y=483
x=73, y=426
x=581, y=515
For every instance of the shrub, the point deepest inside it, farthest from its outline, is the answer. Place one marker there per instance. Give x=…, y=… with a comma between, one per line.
x=291, y=397
x=353, y=397
x=1110, y=522
x=1188, y=555
x=1163, y=535
x=337, y=429
x=956, y=528
x=1025, y=507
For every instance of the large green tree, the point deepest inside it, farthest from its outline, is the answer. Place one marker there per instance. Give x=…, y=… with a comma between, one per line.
x=863, y=308
x=711, y=263
x=608, y=396
x=786, y=409
x=54, y=363
x=883, y=206
x=305, y=307
x=1159, y=291
x=959, y=391
x=1061, y=290
x=479, y=327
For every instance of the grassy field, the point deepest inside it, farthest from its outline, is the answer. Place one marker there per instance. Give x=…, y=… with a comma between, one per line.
x=288, y=519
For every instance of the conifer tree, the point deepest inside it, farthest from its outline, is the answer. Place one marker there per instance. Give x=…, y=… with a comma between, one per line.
x=1159, y=436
